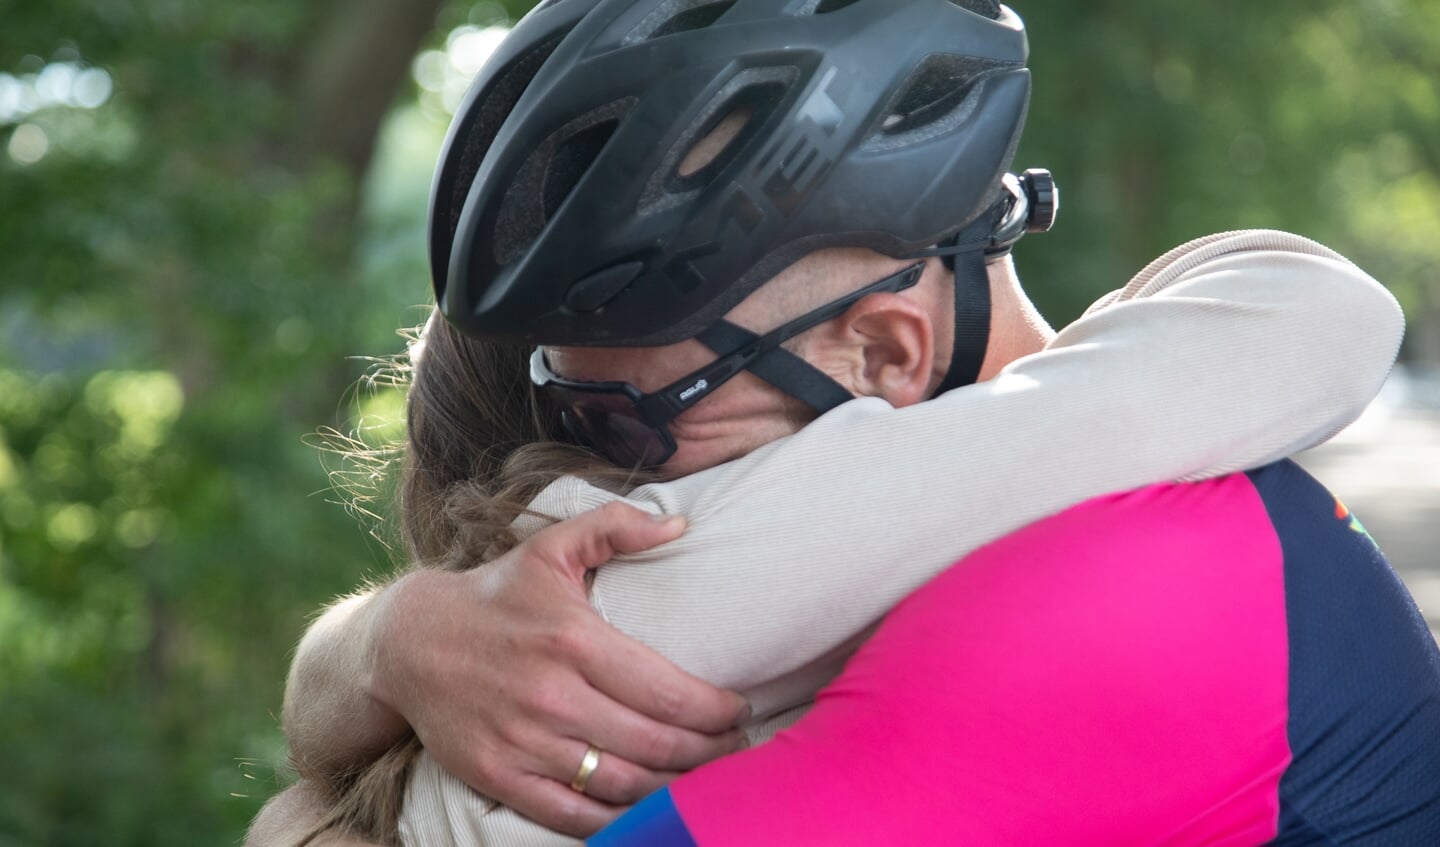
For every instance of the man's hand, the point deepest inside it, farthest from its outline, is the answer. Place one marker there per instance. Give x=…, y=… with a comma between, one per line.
x=507, y=676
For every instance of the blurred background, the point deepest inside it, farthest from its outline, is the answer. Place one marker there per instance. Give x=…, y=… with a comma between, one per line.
x=211, y=215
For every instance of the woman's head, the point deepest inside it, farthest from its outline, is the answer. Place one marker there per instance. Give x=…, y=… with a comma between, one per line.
x=480, y=444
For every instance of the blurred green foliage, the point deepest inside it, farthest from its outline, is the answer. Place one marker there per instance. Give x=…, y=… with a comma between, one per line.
x=1167, y=121
x=189, y=252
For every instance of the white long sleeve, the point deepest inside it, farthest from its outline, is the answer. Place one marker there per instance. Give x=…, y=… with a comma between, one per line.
x=1228, y=353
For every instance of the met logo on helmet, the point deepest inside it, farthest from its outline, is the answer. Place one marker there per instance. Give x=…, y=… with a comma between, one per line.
x=776, y=184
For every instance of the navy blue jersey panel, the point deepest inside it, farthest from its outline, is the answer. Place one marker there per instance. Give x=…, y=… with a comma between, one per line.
x=1295, y=831
x=653, y=822
x=1364, y=680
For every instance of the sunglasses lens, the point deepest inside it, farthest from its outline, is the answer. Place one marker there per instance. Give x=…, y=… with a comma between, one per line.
x=610, y=425
x=635, y=443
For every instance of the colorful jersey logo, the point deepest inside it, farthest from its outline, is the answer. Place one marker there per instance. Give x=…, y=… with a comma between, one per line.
x=1343, y=514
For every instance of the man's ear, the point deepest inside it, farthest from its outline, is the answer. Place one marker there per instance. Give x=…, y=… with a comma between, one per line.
x=889, y=346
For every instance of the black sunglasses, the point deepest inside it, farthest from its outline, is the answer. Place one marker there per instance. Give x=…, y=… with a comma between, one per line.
x=632, y=428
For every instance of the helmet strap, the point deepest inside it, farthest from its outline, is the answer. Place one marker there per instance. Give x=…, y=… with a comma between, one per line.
x=972, y=321
x=779, y=367
x=969, y=254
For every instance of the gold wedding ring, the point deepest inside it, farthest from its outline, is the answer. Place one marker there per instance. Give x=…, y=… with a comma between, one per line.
x=587, y=767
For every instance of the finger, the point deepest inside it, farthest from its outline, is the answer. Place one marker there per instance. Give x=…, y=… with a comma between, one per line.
x=559, y=807
x=637, y=677
x=583, y=712
x=597, y=536
x=614, y=780
x=621, y=783
x=644, y=741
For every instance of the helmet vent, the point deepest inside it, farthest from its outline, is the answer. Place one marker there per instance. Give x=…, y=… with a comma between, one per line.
x=712, y=147
x=827, y=6
x=727, y=130
x=718, y=135
x=676, y=16
x=934, y=99
x=548, y=177
x=491, y=115
x=572, y=159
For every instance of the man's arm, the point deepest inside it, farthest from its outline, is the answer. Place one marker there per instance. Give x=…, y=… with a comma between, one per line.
x=485, y=663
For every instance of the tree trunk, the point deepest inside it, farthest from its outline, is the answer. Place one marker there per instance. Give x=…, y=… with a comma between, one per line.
x=352, y=75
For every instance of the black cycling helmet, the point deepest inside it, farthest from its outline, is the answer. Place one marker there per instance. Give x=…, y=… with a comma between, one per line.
x=559, y=211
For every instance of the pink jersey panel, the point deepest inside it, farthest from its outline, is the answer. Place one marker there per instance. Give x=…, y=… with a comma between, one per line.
x=1113, y=675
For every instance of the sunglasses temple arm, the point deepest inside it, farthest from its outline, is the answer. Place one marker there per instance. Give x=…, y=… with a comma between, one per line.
x=894, y=283
x=672, y=400
x=669, y=402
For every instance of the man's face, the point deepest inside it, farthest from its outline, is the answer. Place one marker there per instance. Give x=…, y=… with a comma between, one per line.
x=741, y=415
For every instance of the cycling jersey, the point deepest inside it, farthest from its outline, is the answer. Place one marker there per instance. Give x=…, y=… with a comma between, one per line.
x=1226, y=662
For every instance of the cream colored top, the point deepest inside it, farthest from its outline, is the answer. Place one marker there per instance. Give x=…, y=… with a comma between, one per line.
x=1228, y=353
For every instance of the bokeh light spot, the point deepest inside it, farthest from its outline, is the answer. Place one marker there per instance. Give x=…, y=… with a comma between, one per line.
x=1174, y=80
x=92, y=88
x=381, y=421
x=56, y=82
x=430, y=69
x=10, y=93
x=28, y=144
x=72, y=525
x=139, y=528
x=470, y=47
x=147, y=404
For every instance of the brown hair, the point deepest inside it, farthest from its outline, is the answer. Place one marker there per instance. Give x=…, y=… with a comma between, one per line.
x=480, y=444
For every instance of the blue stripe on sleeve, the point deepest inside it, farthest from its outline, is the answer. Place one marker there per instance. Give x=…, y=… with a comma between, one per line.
x=653, y=822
